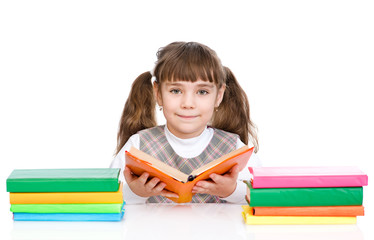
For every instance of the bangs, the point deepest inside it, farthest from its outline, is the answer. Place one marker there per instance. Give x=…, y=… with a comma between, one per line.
x=189, y=62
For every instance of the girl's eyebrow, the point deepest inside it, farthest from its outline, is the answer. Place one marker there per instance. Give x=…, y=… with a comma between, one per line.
x=173, y=84
x=206, y=85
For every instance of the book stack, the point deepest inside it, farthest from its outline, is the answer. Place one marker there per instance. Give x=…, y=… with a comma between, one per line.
x=81, y=194
x=305, y=195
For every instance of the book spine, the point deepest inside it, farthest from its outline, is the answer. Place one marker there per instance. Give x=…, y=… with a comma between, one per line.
x=70, y=217
x=67, y=197
x=343, y=211
x=52, y=185
x=67, y=208
x=270, y=220
x=250, y=219
x=296, y=197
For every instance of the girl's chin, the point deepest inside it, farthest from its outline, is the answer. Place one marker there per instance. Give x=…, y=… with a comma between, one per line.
x=187, y=131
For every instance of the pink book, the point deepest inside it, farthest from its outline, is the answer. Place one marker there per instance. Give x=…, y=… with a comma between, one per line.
x=307, y=177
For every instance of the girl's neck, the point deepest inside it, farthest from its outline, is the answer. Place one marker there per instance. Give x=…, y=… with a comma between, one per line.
x=189, y=147
x=184, y=140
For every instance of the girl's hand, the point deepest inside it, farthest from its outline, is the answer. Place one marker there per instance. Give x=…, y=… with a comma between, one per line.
x=143, y=187
x=219, y=185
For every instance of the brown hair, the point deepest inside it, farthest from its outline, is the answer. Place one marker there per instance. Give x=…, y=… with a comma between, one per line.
x=187, y=61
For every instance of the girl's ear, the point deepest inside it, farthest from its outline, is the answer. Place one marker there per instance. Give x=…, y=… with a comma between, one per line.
x=220, y=94
x=157, y=93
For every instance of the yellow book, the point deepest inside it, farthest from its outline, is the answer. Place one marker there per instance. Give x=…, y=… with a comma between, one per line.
x=250, y=219
x=67, y=197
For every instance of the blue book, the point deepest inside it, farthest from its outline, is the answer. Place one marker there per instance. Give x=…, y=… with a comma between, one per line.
x=70, y=217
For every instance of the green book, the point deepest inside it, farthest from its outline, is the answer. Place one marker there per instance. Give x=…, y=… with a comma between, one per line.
x=64, y=180
x=68, y=208
x=304, y=197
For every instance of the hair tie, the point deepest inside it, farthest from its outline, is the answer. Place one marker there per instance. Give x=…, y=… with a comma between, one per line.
x=152, y=72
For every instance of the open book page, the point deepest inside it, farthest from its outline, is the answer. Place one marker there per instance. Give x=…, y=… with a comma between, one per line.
x=225, y=157
x=159, y=165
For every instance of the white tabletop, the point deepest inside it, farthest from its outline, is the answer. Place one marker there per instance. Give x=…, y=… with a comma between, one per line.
x=193, y=221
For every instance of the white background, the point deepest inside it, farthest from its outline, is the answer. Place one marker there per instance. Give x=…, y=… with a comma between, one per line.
x=66, y=68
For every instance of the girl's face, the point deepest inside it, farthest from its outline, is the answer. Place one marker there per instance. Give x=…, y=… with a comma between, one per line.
x=188, y=106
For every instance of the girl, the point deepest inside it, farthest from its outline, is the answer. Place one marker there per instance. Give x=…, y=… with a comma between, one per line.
x=207, y=116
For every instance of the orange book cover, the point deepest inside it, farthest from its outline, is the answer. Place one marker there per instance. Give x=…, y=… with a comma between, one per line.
x=345, y=211
x=178, y=182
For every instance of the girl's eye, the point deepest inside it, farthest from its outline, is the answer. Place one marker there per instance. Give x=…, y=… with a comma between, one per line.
x=175, y=91
x=202, y=92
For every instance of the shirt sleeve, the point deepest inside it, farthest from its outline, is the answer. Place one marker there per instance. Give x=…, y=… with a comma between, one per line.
x=238, y=196
x=119, y=162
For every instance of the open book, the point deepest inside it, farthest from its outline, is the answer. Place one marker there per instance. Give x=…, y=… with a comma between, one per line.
x=179, y=182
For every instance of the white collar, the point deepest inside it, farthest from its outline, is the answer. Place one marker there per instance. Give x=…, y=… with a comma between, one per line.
x=189, y=147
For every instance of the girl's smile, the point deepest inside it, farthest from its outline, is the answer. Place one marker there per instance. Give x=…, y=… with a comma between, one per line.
x=187, y=117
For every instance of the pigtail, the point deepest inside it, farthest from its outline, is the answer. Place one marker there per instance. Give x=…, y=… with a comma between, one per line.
x=233, y=114
x=139, y=111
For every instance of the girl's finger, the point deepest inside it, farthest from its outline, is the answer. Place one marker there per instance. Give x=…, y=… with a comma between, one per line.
x=143, y=178
x=151, y=184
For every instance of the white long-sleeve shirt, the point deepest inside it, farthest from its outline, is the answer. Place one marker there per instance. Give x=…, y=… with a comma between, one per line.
x=186, y=148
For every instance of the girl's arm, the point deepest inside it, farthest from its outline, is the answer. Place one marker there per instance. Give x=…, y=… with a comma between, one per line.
x=238, y=196
x=222, y=184
x=137, y=189
x=119, y=162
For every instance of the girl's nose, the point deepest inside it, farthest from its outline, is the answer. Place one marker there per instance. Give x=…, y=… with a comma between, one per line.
x=188, y=101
